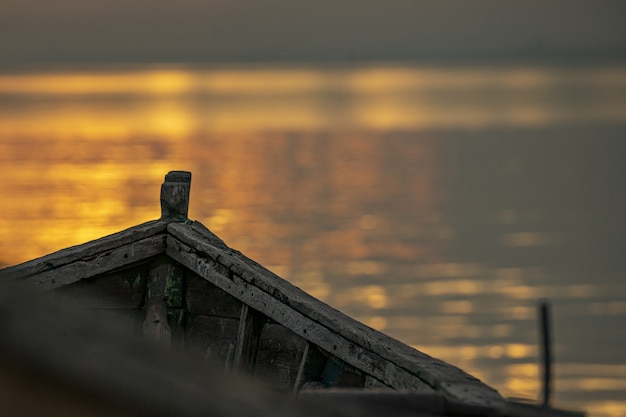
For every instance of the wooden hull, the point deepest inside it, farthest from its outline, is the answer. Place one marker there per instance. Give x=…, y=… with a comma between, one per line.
x=173, y=281
x=178, y=283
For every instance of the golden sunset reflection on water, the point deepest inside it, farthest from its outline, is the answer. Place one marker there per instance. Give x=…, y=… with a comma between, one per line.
x=179, y=102
x=384, y=190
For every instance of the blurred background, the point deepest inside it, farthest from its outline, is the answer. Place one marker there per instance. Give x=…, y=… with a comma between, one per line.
x=430, y=168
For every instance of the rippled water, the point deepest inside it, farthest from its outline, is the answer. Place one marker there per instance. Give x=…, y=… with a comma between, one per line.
x=435, y=204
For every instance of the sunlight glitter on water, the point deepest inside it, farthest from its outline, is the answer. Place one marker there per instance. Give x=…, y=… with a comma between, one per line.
x=369, y=187
x=378, y=98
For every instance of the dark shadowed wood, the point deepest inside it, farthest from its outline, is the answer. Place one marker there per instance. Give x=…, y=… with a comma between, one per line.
x=250, y=325
x=175, y=195
x=394, y=403
x=432, y=371
x=202, y=297
x=174, y=291
x=327, y=339
x=56, y=361
x=86, y=252
x=308, y=305
x=349, y=377
x=176, y=320
x=310, y=369
x=338, y=374
x=210, y=338
x=278, y=359
x=155, y=325
x=128, y=321
x=372, y=383
x=119, y=290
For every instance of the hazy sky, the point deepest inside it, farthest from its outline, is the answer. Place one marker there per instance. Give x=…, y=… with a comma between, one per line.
x=35, y=31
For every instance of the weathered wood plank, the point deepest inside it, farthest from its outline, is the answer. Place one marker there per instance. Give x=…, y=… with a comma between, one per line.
x=334, y=343
x=85, y=251
x=173, y=291
x=155, y=325
x=433, y=372
x=175, y=195
x=53, y=359
x=374, y=384
x=250, y=325
x=348, y=377
x=257, y=275
x=128, y=321
x=310, y=368
x=278, y=357
x=176, y=320
x=98, y=263
x=119, y=290
x=210, y=338
x=202, y=297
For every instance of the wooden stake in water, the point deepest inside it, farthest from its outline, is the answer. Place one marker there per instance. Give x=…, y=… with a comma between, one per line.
x=546, y=351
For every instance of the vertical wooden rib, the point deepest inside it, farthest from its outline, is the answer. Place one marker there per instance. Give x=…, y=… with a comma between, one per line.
x=311, y=366
x=155, y=325
x=250, y=326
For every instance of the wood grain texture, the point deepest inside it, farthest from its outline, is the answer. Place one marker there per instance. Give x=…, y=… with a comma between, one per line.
x=156, y=326
x=247, y=345
x=97, y=263
x=86, y=251
x=202, y=297
x=381, y=350
x=175, y=195
x=385, y=359
x=119, y=290
x=329, y=340
x=312, y=363
x=210, y=338
x=53, y=357
x=278, y=357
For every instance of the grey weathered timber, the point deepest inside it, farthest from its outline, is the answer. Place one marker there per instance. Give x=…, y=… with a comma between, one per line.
x=278, y=356
x=155, y=325
x=210, y=338
x=374, y=384
x=119, y=290
x=202, y=297
x=292, y=296
x=59, y=361
x=87, y=260
x=327, y=339
x=247, y=344
x=175, y=195
x=388, y=360
x=310, y=368
x=99, y=263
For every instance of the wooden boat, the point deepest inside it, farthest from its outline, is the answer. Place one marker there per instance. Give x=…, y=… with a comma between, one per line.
x=177, y=283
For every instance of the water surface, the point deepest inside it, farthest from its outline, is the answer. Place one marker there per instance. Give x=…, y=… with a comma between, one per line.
x=437, y=204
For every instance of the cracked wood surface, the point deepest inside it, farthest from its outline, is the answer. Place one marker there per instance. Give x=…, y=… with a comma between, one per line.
x=101, y=255
x=387, y=359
